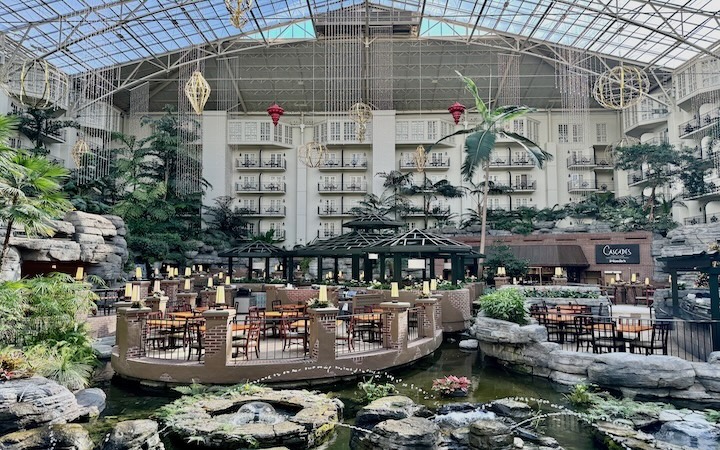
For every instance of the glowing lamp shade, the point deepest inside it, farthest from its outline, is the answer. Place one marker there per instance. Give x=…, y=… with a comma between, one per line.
x=323, y=293
x=647, y=281
x=135, y=293
x=210, y=282
x=221, y=276
x=79, y=273
x=220, y=296
x=433, y=284
x=612, y=280
x=187, y=284
x=156, y=286
x=394, y=290
x=187, y=272
x=558, y=271
x=138, y=273
x=633, y=278
x=200, y=268
x=426, y=288
x=128, y=290
x=227, y=280
x=416, y=263
x=501, y=271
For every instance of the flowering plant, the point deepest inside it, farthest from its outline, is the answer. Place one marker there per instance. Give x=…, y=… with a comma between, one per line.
x=450, y=384
x=316, y=303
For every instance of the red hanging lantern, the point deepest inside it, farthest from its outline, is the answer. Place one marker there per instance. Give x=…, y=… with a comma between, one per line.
x=275, y=112
x=456, y=109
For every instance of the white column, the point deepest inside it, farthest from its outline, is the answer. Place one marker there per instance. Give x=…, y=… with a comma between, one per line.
x=217, y=159
x=383, y=147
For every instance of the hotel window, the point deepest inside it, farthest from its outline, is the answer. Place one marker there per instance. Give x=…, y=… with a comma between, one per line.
x=578, y=133
x=563, y=133
x=601, y=132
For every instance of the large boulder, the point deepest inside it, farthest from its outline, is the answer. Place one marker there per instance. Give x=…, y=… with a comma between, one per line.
x=404, y=434
x=59, y=436
x=504, y=332
x=490, y=434
x=32, y=402
x=571, y=362
x=690, y=434
x=385, y=408
x=638, y=371
x=92, y=400
x=133, y=435
x=91, y=223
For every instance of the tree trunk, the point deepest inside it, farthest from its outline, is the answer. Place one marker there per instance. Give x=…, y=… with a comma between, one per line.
x=483, y=223
x=651, y=216
x=6, y=244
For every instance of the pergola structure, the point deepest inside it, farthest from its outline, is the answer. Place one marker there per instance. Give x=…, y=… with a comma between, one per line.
x=258, y=250
x=425, y=245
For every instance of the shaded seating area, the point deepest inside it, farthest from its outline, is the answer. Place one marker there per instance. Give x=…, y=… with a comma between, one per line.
x=257, y=250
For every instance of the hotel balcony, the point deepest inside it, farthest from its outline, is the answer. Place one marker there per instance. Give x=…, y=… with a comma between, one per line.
x=346, y=188
x=256, y=164
x=259, y=132
x=353, y=164
x=523, y=186
x=327, y=234
x=260, y=188
x=279, y=234
x=266, y=211
x=509, y=163
x=581, y=162
x=435, y=210
x=424, y=131
x=638, y=177
x=699, y=126
x=581, y=186
x=432, y=164
x=335, y=211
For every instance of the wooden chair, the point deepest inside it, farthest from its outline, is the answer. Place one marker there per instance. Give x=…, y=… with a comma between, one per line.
x=291, y=333
x=580, y=331
x=153, y=333
x=344, y=333
x=604, y=336
x=196, y=338
x=552, y=327
x=275, y=304
x=247, y=341
x=658, y=339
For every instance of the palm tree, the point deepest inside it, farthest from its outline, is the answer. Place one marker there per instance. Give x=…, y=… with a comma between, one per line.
x=371, y=204
x=30, y=193
x=431, y=191
x=36, y=123
x=480, y=142
x=397, y=182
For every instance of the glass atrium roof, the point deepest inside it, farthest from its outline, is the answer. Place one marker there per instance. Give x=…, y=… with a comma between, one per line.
x=80, y=35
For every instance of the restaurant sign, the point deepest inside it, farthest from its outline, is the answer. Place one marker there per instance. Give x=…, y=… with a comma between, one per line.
x=617, y=254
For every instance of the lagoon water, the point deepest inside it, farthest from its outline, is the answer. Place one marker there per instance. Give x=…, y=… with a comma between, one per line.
x=489, y=382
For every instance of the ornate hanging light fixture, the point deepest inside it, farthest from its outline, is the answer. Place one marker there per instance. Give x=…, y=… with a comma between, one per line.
x=275, y=111
x=420, y=158
x=456, y=110
x=197, y=91
x=621, y=87
x=238, y=10
x=360, y=113
x=312, y=154
x=36, y=84
x=80, y=148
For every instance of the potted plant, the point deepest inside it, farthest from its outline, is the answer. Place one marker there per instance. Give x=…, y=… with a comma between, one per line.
x=316, y=303
x=451, y=386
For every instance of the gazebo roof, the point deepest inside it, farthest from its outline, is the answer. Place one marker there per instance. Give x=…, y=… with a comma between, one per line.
x=372, y=222
x=349, y=243
x=423, y=242
x=694, y=262
x=255, y=249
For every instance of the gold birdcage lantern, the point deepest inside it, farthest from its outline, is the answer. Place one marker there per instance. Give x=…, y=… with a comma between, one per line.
x=360, y=113
x=312, y=154
x=80, y=148
x=238, y=10
x=420, y=158
x=621, y=87
x=197, y=90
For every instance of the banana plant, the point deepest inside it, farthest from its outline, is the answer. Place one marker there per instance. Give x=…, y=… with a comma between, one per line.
x=480, y=142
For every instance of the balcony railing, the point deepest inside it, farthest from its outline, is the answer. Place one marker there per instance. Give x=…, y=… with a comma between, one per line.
x=335, y=211
x=435, y=210
x=506, y=162
x=352, y=164
x=528, y=185
x=441, y=163
x=271, y=211
x=342, y=188
x=695, y=220
x=278, y=188
x=581, y=161
x=327, y=234
x=698, y=123
x=278, y=235
x=582, y=186
x=260, y=164
x=637, y=176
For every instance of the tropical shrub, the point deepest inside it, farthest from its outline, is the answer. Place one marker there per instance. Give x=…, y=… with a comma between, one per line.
x=449, y=384
x=504, y=304
x=370, y=390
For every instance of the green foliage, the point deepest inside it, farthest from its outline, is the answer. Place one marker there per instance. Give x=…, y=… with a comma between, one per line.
x=579, y=396
x=224, y=219
x=370, y=390
x=35, y=123
x=712, y=415
x=197, y=389
x=560, y=293
x=502, y=256
x=62, y=363
x=603, y=406
x=505, y=304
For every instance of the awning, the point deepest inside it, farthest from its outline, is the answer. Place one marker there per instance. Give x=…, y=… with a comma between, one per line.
x=551, y=255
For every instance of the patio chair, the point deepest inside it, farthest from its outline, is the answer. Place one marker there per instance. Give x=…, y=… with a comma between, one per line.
x=293, y=333
x=196, y=339
x=581, y=331
x=275, y=305
x=344, y=333
x=604, y=336
x=552, y=326
x=247, y=341
x=658, y=339
x=153, y=333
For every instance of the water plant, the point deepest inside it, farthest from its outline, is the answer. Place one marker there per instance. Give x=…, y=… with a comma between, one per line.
x=579, y=396
x=370, y=390
x=450, y=384
x=504, y=304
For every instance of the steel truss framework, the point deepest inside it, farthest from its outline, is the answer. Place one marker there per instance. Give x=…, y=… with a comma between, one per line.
x=150, y=39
